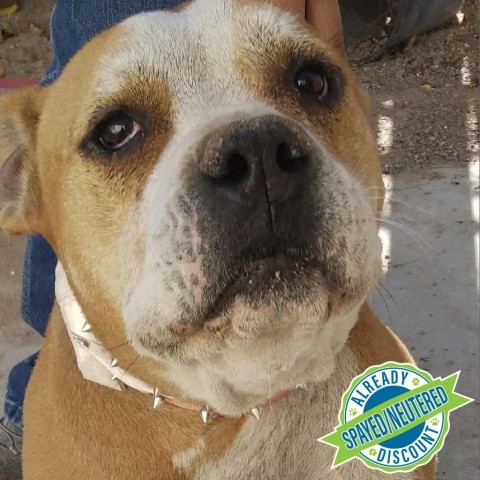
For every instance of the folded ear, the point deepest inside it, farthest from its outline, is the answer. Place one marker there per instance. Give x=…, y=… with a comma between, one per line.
x=19, y=190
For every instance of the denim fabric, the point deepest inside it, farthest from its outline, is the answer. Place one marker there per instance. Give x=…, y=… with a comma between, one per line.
x=16, y=386
x=73, y=23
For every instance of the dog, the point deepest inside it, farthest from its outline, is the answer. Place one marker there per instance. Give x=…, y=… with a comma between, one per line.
x=210, y=183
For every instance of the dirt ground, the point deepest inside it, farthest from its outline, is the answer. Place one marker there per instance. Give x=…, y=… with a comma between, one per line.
x=428, y=91
x=24, y=40
x=425, y=108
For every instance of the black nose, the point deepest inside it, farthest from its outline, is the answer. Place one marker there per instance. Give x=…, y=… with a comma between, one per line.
x=265, y=154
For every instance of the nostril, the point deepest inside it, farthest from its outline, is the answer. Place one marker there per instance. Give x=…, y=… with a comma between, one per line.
x=236, y=169
x=290, y=159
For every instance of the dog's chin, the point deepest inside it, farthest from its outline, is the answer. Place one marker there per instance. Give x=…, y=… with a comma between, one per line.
x=273, y=299
x=250, y=354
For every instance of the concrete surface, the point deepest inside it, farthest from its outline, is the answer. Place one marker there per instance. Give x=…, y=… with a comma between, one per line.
x=429, y=296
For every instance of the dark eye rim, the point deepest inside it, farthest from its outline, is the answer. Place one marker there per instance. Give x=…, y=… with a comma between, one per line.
x=93, y=146
x=332, y=74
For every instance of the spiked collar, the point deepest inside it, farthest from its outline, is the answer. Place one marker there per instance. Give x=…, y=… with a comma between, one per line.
x=98, y=365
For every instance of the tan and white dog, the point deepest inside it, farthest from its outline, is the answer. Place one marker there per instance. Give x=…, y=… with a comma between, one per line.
x=210, y=183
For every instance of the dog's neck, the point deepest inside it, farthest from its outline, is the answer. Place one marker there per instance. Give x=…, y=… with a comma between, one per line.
x=303, y=415
x=98, y=365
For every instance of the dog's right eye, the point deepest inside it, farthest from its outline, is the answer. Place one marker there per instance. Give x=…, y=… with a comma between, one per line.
x=115, y=131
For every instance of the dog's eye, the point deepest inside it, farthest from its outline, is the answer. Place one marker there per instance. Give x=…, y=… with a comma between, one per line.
x=312, y=81
x=115, y=131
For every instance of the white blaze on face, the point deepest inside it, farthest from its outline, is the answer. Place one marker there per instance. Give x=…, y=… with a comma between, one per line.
x=192, y=51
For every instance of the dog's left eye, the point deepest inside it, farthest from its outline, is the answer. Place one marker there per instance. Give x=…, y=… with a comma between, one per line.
x=115, y=131
x=312, y=81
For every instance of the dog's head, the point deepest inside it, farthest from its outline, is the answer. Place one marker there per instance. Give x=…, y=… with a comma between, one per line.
x=210, y=182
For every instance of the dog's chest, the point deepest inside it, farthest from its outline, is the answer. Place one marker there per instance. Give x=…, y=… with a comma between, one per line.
x=283, y=443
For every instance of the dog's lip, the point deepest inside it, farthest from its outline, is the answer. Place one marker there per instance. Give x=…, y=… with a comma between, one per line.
x=250, y=272
x=271, y=264
x=272, y=270
x=280, y=256
x=338, y=303
x=339, y=299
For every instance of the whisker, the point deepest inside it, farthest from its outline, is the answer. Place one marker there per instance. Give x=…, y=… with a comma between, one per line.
x=387, y=291
x=411, y=205
x=407, y=204
x=386, y=305
x=402, y=264
x=407, y=230
x=424, y=245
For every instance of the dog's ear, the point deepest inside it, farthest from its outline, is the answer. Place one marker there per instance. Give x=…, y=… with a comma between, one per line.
x=19, y=191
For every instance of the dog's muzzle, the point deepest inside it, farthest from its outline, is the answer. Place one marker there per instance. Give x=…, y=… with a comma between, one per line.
x=253, y=187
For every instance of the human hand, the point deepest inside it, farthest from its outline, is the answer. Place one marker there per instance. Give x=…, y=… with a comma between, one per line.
x=323, y=15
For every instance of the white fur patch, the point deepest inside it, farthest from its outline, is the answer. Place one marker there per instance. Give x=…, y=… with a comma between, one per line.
x=284, y=439
x=184, y=460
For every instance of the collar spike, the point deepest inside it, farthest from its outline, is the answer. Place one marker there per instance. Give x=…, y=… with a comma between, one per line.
x=86, y=327
x=114, y=363
x=158, y=401
x=205, y=413
x=255, y=412
x=121, y=385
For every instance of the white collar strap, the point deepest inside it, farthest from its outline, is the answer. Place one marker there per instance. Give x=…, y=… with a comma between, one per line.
x=95, y=363
x=99, y=366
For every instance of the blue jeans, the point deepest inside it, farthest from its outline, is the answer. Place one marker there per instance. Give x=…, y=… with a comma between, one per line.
x=73, y=23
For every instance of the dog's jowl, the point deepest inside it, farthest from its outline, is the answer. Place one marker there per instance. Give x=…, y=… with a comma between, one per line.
x=210, y=183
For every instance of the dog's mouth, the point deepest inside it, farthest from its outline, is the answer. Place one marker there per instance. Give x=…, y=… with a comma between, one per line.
x=266, y=276
x=266, y=289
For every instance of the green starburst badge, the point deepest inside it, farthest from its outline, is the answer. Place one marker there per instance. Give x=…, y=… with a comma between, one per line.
x=394, y=417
